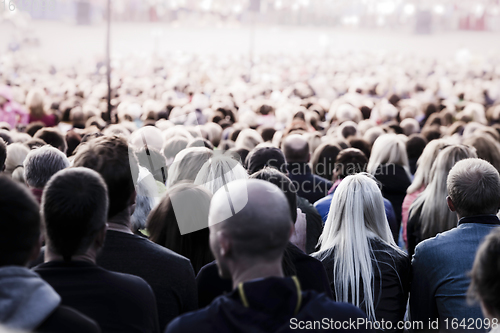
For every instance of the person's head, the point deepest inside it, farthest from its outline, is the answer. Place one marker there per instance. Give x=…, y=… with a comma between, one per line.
x=41, y=164
x=16, y=153
x=357, y=214
x=323, y=159
x=154, y=161
x=485, y=284
x=473, y=188
x=180, y=223
x=258, y=231
x=3, y=154
x=415, y=146
x=34, y=102
x=187, y=164
x=435, y=217
x=265, y=155
x=34, y=127
x=349, y=162
x=487, y=148
x=296, y=148
x=111, y=157
x=424, y=165
x=388, y=149
x=362, y=145
x=52, y=137
x=219, y=170
x=410, y=126
x=20, y=223
x=35, y=143
x=74, y=212
x=279, y=179
x=173, y=146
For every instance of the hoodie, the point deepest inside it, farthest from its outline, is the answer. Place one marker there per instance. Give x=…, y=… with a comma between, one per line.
x=26, y=301
x=265, y=305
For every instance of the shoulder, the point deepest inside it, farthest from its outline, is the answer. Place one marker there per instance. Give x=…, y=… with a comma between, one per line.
x=322, y=306
x=323, y=202
x=66, y=319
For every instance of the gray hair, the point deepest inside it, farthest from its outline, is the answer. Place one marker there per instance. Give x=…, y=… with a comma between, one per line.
x=474, y=187
x=41, y=164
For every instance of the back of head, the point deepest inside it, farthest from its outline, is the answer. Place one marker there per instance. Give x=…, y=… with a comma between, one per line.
x=187, y=164
x=41, y=164
x=435, y=217
x=485, y=285
x=20, y=223
x=474, y=187
x=296, y=148
x=284, y=183
x=52, y=137
x=323, y=159
x=415, y=146
x=259, y=227
x=173, y=146
x=16, y=154
x=362, y=145
x=262, y=156
x=180, y=223
x=248, y=139
x=349, y=162
x=487, y=148
x=74, y=210
x=219, y=170
x=388, y=149
x=111, y=157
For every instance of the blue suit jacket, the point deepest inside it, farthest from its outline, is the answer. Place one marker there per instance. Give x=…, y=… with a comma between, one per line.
x=440, y=266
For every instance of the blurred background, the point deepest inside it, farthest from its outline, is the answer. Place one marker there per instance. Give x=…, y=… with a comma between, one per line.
x=63, y=32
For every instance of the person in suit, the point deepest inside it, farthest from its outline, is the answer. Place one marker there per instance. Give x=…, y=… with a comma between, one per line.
x=441, y=264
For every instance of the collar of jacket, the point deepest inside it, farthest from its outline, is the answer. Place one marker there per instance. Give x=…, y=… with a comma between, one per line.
x=483, y=219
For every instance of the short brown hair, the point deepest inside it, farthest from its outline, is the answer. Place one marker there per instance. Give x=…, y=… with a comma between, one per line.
x=111, y=157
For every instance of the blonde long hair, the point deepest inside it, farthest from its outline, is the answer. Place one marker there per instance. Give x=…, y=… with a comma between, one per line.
x=435, y=217
x=388, y=149
x=357, y=214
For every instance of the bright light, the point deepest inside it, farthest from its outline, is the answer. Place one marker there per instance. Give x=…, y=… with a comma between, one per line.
x=380, y=21
x=350, y=20
x=295, y=7
x=386, y=7
x=479, y=10
x=305, y=3
x=206, y=5
x=439, y=9
x=278, y=4
x=409, y=9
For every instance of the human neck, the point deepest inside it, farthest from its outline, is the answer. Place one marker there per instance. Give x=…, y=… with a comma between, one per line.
x=120, y=222
x=244, y=273
x=89, y=256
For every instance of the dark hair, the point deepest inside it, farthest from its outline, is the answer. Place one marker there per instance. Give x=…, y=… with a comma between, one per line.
x=284, y=183
x=163, y=227
x=35, y=143
x=431, y=133
x=3, y=154
x=362, y=145
x=349, y=162
x=267, y=133
x=52, y=137
x=415, y=145
x=74, y=209
x=73, y=139
x=485, y=284
x=33, y=127
x=201, y=142
x=110, y=156
x=5, y=135
x=20, y=223
x=323, y=160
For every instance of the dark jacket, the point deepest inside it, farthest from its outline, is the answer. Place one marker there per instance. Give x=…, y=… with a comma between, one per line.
x=29, y=303
x=314, y=225
x=117, y=302
x=391, y=281
x=309, y=185
x=413, y=230
x=272, y=305
x=394, y=181
x=310, y=272
x=170, y=275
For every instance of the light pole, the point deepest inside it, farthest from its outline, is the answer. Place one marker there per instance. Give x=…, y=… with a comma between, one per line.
x=108, y=58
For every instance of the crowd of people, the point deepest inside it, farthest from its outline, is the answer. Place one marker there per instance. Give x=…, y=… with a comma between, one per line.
x=300, y=194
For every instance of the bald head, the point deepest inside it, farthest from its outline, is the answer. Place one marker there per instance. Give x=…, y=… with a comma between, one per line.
x=260, y=227
x=296, y=148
